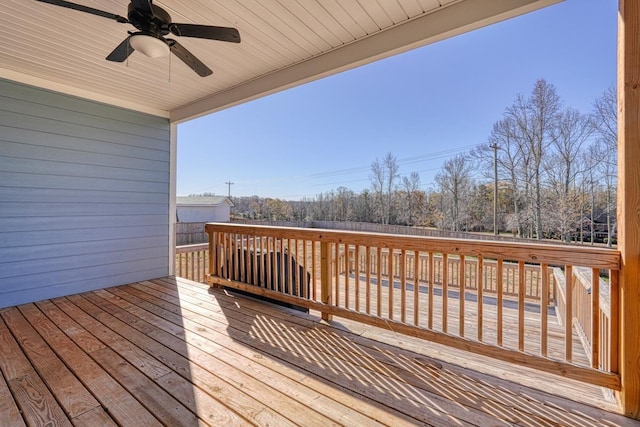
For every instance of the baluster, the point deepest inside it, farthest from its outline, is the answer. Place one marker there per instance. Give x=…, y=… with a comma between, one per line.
x=416, y=287
x=500, y=289
x=379, y=280
x=390, y=282
x=325, y=280
x=199, y=270
x=614, y=307
x=431, y=280
x=347, y=262
x=314, y=269
x=270, y=260
x=211, y=260
x=254, y=252
x=568, y=320
x=244, y=240
x=193, y=267
x=480, y=296
x=544, y=308
x=225, y=263
x=356, y=266
x=595, y=318
x=521, y=287
x=289, y=267
x=235, y=252
x=368, y=279
x=403, y=286
x=445, y=291
x=282, y=276
x=461, y=293
x=305, y=275
x=337, y=264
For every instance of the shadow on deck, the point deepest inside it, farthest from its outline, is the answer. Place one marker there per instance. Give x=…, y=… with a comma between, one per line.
x=174, y=352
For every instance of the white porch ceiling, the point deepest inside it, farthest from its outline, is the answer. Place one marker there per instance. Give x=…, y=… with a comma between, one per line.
x=284, y=43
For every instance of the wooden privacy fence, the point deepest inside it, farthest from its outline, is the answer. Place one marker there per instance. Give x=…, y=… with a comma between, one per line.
x=190, y=233
x=513, y=323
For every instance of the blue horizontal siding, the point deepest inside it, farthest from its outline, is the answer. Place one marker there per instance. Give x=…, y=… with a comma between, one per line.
x=84, y=195
x=71, y=183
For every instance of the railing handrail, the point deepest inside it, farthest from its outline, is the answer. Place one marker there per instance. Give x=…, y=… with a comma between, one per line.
x=552, y=254
x=190, y=248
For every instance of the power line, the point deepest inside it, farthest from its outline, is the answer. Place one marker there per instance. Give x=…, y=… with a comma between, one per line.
x=314, y=177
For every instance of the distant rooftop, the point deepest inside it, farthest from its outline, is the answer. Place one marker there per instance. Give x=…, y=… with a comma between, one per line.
x=202, y=200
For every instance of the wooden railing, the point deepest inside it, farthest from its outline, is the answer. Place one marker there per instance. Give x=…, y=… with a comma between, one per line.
x=509, y=273
x=493, y=298
x=192, y=262
x=592, y=294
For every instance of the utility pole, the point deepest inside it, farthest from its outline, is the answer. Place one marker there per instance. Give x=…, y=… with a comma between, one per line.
x=494, y=146
x=229, y=184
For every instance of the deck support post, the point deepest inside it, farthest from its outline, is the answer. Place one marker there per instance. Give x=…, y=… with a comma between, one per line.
x=325, y=274
x=628, y=202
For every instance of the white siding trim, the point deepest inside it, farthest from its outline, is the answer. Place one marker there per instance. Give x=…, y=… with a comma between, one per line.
x=172, y=196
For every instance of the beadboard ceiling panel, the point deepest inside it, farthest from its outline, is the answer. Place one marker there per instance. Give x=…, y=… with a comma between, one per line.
x=284, y=43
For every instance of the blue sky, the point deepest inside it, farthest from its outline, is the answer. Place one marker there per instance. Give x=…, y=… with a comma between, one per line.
x=422, y=106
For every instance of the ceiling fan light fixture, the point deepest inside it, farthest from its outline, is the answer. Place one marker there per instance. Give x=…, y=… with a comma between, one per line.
x=148, y=45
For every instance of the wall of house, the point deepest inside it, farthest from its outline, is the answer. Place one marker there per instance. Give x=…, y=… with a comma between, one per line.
x=220, y=213
x=84, y=195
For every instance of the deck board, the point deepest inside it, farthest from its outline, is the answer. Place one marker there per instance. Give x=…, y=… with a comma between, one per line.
x=8, y=407
x=70, y=393
x=174, y=352
x=34, y=400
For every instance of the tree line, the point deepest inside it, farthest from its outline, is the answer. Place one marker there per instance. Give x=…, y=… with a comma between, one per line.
x=548, y=170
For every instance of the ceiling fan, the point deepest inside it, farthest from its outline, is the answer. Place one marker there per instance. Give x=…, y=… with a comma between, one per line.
x=153, y=23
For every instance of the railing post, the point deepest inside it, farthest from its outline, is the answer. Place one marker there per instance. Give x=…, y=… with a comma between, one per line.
x=627, y=212
x=325, y=285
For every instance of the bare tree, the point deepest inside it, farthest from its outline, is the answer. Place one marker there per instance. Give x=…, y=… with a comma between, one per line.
x=383, y=180
x=344, y=204
x=571, y=133
x=605, y=118
x=535, y=118
x=605, y=122
x=363, y=207
x=454, y=181
x=512, y=161
x=410, y=187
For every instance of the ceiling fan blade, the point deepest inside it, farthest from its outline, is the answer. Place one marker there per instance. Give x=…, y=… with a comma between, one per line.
x=143, y=6
x=187, y=57
x=122, y=52
x=224, y=34
x=86, y=9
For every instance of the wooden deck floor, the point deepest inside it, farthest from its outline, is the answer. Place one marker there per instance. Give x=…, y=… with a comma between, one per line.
x=174, y=352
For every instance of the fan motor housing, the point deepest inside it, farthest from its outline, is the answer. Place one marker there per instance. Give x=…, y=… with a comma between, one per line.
x=157, y=24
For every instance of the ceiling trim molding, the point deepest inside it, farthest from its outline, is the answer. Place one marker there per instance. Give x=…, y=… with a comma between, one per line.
x=80, y=93
x=450, y=20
